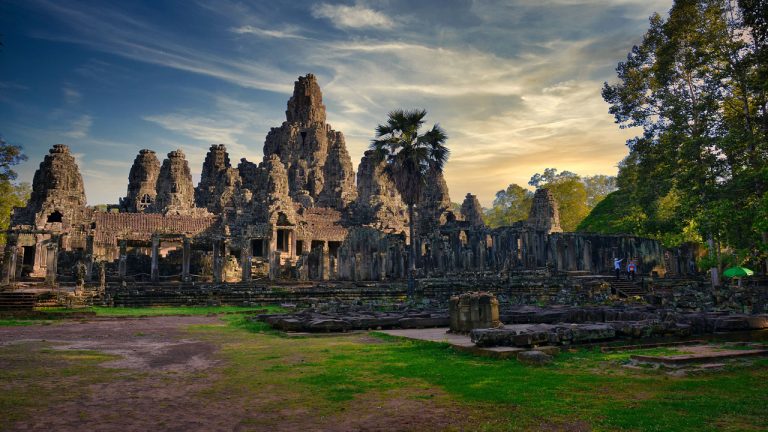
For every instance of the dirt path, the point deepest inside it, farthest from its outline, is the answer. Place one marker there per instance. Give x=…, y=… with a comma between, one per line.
x=163, y=374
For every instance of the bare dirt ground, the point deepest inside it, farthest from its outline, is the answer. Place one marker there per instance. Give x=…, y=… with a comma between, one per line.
x=164, y=378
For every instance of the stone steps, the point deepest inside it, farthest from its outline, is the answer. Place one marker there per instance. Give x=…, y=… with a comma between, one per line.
x=10, y=300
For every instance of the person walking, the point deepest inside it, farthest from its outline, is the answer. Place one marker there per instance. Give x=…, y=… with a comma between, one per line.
x=631, y=269
x=617, y=267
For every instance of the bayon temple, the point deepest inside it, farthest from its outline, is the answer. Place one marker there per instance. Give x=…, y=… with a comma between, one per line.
x=300, y=214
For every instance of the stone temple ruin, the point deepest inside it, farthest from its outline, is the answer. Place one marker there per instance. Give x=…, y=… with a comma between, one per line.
x=301, y=215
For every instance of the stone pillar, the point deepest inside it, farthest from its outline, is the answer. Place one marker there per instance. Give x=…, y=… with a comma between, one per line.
x=89, y=258
x=246, y=255
x=274, y=265
x=326, y=262
x=382, y=256
x=52, y=262
x=102, y=275
x=7, y=269
x=155, y=274
x=217, y=264
x=12, y=263
x=186, y=251
x=123, y=262
x=19, y=262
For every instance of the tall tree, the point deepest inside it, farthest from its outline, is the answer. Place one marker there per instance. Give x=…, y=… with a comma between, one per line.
x=696, y=86
x=569, y=192
x=11, y=195
x=510, y=205
x=410, y=157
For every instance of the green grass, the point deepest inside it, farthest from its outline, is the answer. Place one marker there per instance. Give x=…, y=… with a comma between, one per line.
x=331, y=377
x=586, y=386
x=180, y=310
x=50, y=315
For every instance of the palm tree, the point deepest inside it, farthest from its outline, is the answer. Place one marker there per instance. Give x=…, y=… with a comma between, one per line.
x=410, y=158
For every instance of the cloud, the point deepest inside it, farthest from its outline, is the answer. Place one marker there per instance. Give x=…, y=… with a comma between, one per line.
x=353, y=17
x=278, y=34
x=516, y=84
x=80, y=127
x=71, y=96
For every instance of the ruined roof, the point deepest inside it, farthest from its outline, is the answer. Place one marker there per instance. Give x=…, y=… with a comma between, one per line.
x=324, y=224
x=140, y=226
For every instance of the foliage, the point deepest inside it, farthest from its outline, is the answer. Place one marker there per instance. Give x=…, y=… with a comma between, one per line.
x=10, y=155
x=575, y=195
x=411, y=159
x=11, y=195
x=510, y=205
x=697, y=86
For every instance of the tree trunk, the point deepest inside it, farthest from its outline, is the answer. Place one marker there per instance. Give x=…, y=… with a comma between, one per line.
x=412, y=260
x=713, y=254
x=765, y=265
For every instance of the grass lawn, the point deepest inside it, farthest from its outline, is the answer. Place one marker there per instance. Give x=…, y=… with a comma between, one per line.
x=582, y=388
x=51, y=315
x=268, y=379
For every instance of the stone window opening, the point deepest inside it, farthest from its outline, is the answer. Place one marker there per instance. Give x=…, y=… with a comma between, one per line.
x=145, y=202
x=303, y=137
x=283, y=240
x=56, y=216
x=333, y=247
x=463, y=238
x=257, y=247
x=299, y=247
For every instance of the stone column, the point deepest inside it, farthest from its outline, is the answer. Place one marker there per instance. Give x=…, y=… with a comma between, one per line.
x=274, y=265
x=19, y=262
x=382, y=256
x=246, y=255
x=12, y=263
x=185, y=258
x=52, y=262
x=89, y=258
x=326, y=260
x=123, y=262
x=217, y=261
x=155, y=275
x=7, y=269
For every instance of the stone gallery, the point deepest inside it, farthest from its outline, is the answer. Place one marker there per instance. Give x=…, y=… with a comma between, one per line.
x=300, y=214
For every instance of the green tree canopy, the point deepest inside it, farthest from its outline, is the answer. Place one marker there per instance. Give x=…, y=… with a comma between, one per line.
x=510, y=205
x=575, y=195
x=696, y=86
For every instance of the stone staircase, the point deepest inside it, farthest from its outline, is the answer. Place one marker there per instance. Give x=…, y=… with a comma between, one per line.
x=625, y=288
x=17, y=301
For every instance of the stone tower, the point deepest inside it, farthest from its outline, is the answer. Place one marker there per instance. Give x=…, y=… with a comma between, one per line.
x=472, y=211
x=435, y=203
x=378, y=202
x=175, y=194
x=218, y=180
x=315, y=156
x=58, y=195
x=544, y=214
x=142, y=182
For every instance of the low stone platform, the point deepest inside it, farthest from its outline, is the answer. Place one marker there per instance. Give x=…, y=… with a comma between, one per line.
x=463, y=343
x=699, y=354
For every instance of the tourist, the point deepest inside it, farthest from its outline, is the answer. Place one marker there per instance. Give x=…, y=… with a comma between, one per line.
x=617, y=266
x=631, y=269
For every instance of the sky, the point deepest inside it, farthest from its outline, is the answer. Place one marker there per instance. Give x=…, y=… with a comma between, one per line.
x=515, y=84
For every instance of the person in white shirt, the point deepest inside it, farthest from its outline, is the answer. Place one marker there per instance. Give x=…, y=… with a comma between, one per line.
x=617, y=266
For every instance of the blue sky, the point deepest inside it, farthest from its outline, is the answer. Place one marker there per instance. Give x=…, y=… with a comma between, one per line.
x=516, y=84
